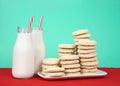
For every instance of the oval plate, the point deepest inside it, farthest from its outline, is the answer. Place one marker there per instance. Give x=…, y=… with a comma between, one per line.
x=99, y=73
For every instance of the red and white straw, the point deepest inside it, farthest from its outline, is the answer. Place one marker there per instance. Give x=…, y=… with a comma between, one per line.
x=40, y=24
x=30, y=24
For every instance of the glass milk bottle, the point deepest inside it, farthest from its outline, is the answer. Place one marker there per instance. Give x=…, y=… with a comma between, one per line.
x=39, y=46
x=23, y=55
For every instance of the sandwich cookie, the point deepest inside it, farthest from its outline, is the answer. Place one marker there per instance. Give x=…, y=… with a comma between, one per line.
x=79, y=32
x=88, y=59
x=69, y=57
x=72, y=70
x=90, y=55
x=86, y=47
x=88, y=66
x=71, y=66
x=44, y=67
x=67, y=46
x=66, y=62
x=80, y=51
x=66, y=49
x=54, y=72
x=89, y=63
x=65, y=53
x=50, y=62
x=83, y=36
x=92, y=70
x=63, y=50
x=77, y=40
x=72, y=73
x=87, y=42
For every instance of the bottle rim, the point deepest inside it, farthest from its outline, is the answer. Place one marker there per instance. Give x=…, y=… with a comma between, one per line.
x=23, y=30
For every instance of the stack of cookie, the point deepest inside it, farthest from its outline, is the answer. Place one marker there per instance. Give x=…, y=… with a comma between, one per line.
x=80, y=35
x=71, y=64
x=87, y=54
x=50, y=63
x=66, y=49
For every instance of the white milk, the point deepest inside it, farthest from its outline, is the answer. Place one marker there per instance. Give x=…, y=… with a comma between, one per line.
x=39, y=46
x=23, y=56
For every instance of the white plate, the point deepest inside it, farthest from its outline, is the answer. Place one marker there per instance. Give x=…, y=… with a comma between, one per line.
x=99, y=73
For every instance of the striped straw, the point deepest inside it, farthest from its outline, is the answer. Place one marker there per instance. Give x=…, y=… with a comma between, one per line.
x=30, y=24
x=40, y=24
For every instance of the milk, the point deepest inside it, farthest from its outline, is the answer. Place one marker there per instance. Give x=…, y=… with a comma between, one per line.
x=39, y=46
x=23, y=56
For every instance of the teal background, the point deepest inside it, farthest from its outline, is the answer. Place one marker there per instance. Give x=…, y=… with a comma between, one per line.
x=62, y=17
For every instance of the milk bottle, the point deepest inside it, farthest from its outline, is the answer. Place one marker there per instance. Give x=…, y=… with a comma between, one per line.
x=23, y=55
x=39, y=46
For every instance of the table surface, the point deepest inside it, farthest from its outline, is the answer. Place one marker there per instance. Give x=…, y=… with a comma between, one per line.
x=112, y=79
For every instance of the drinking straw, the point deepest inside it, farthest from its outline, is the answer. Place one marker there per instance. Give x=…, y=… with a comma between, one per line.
x=30, y=24
x=40, y=24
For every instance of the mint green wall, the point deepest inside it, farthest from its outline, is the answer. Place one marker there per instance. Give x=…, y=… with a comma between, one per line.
x=62, y=17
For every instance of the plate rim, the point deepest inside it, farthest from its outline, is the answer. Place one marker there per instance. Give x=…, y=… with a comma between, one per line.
x=100, y=73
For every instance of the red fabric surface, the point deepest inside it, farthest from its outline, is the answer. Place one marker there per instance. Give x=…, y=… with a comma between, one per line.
x=112, y=79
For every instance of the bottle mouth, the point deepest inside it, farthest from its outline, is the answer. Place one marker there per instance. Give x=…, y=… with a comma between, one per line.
x=22, y=30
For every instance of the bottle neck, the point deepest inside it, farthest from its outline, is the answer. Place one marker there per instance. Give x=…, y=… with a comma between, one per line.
x=37, y=36
x=37, y=33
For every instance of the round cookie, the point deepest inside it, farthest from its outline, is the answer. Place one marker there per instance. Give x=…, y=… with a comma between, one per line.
x=69, y=57
x=54, y=69
x=87, y=42
x=69, y=70
x=87, y=55
x=64, y=54
x=69, y=62
x=86, y=51
x=88, y=67
x=72, y=74
x=88, y=60
x=83, y=36
x=89, y=73
x=71, y=66
x=77, y=40
x=79, y=32
x=55, y=74
x=89, y=63
x=89, y=70
x=50, y=61
x=66, y=50
x=69, y=53
x=44, y=67
x=66, y=46
x=86, y=47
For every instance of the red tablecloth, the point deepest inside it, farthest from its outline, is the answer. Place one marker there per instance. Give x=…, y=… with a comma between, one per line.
x=112, y=79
